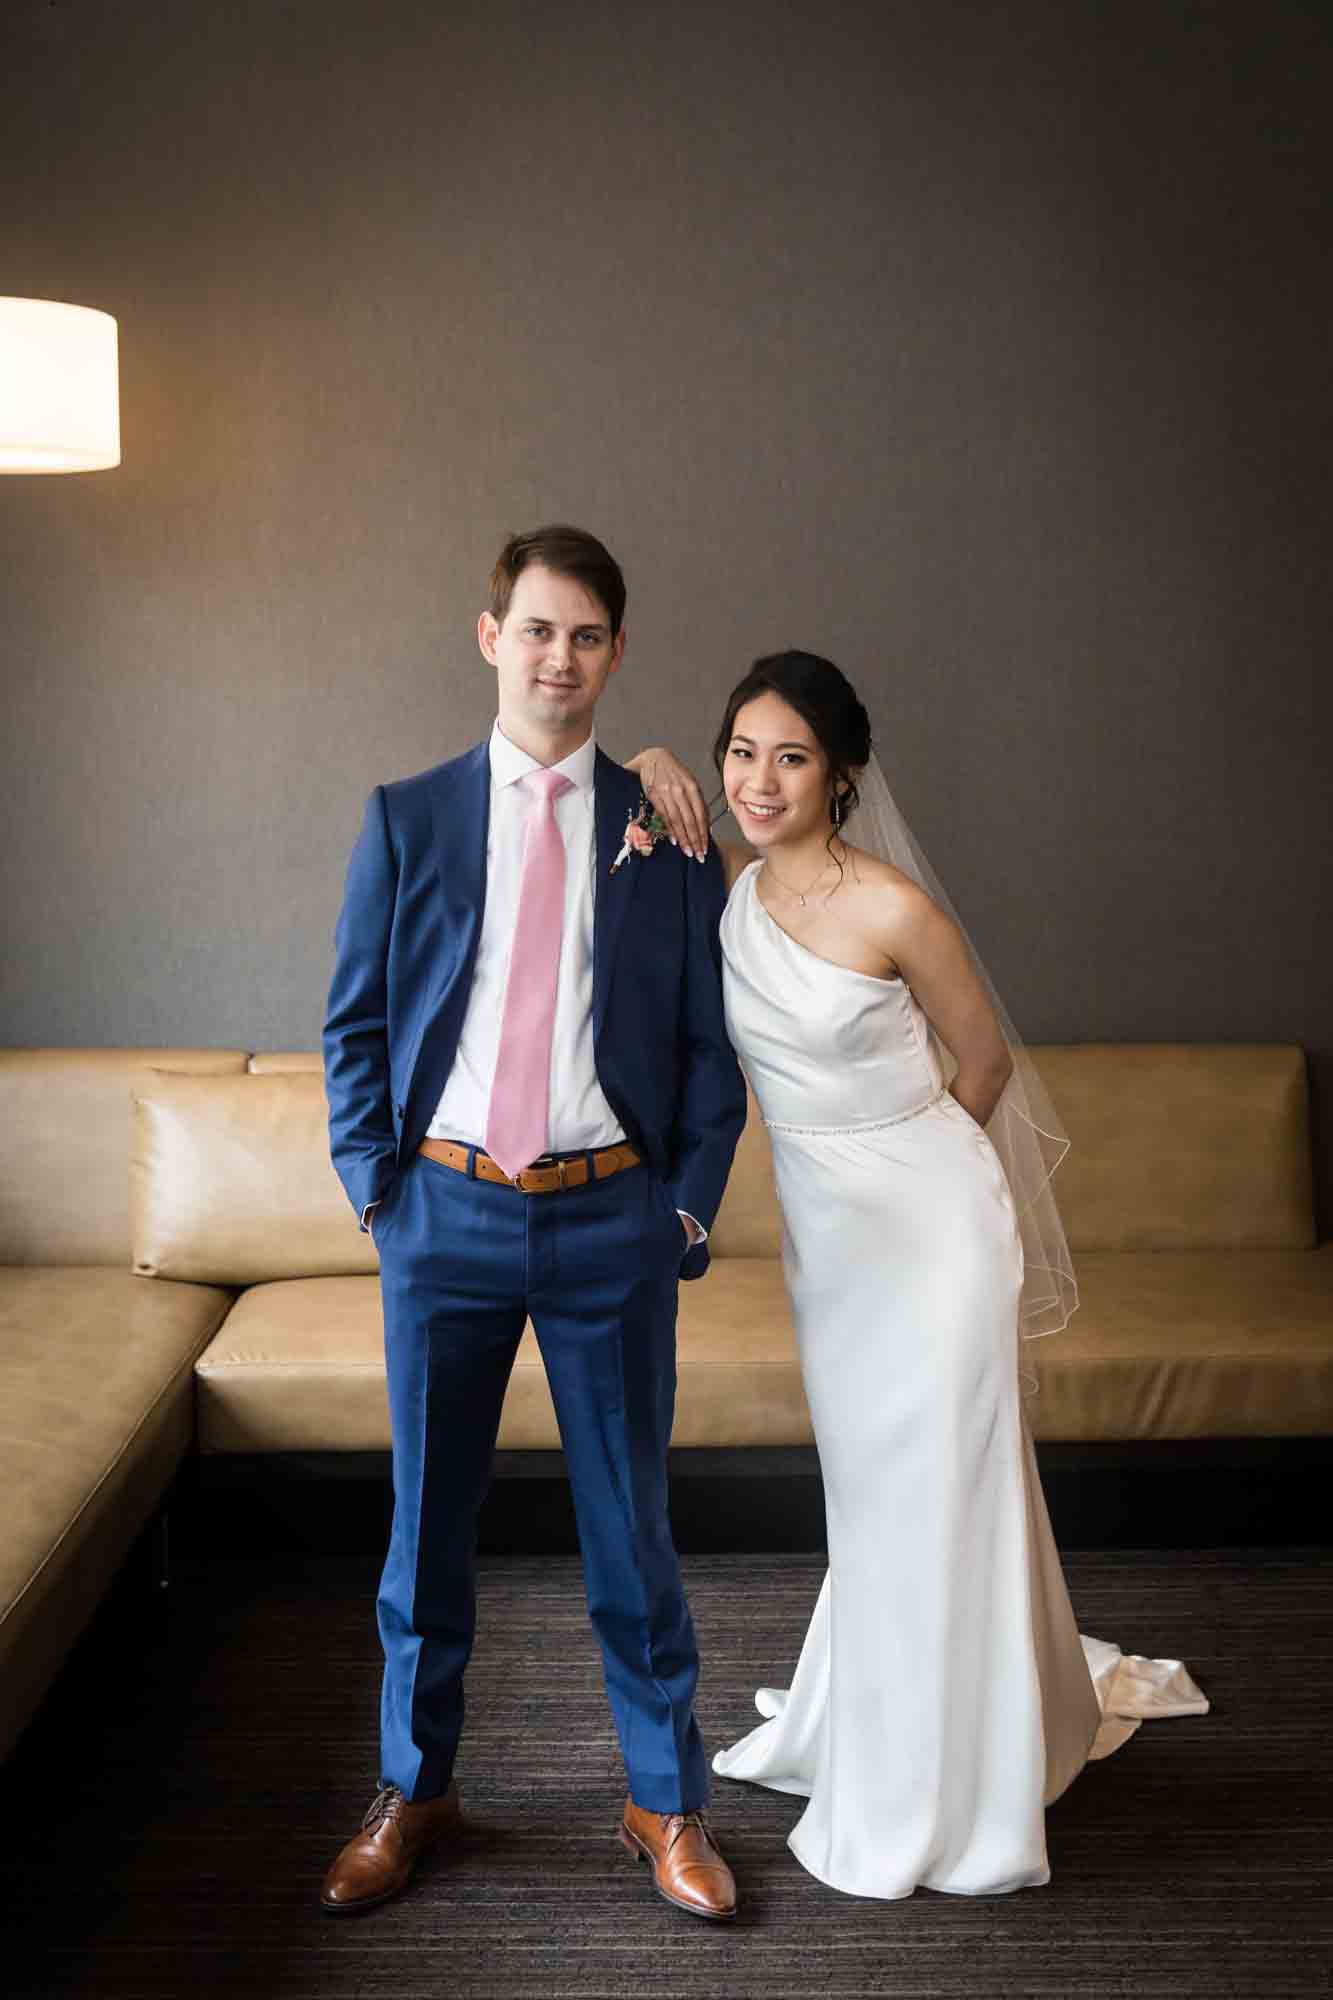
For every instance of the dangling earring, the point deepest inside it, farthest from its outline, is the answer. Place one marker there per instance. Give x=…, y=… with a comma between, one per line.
x=836, y=812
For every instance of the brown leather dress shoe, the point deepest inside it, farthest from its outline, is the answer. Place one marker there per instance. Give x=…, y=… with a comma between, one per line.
x=688, y=1869
x=378, y=1861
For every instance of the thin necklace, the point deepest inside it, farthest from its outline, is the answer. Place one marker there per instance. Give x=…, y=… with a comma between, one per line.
x=797, y=893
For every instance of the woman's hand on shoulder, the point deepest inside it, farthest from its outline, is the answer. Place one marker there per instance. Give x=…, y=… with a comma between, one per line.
x=674, y=794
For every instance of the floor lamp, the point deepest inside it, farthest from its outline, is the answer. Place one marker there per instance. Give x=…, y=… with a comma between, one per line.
x=59, y=388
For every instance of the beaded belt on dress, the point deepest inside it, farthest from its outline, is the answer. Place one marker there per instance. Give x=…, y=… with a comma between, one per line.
x=867, y=1125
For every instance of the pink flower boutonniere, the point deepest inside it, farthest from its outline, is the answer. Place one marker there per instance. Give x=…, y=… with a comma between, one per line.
x=642, y=834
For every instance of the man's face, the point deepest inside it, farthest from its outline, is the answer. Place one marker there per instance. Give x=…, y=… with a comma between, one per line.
x=552, y=656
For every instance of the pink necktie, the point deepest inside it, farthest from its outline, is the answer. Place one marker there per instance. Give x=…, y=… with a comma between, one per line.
x=520, y=1094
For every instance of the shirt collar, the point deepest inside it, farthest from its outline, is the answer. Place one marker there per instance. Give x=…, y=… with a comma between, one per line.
x=509, y=763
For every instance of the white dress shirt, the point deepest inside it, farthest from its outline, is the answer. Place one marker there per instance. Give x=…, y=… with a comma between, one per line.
x=578, y=1114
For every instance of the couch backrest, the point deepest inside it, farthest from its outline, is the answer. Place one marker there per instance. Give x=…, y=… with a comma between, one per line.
x=748, y=1223
x=1183, y=1146
x=65, y=1117
x=1175, y=1146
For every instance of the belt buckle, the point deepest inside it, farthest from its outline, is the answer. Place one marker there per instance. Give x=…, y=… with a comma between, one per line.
x=561, y=1174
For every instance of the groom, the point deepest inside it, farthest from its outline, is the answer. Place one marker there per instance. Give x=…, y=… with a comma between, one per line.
x=533, y=1107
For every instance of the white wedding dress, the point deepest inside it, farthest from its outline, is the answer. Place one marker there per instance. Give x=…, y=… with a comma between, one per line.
x=943, y=1695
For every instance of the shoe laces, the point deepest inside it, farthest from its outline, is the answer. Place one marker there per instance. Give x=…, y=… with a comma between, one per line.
x=386, y=1804
x=676, y=1824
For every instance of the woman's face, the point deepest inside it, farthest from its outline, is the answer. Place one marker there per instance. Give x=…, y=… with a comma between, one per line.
x=775, y=774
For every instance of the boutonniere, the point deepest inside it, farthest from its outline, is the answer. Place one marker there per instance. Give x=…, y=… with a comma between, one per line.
x=642, y=834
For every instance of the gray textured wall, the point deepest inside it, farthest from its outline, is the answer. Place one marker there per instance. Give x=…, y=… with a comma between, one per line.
x=982, y=347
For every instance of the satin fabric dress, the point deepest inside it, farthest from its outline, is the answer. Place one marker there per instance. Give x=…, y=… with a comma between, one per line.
x=943, y=1695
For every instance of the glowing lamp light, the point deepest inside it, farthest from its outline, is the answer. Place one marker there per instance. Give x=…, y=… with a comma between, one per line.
x=59, y=388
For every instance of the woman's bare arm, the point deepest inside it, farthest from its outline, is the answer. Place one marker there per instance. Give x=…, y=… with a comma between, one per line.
x=929, y=950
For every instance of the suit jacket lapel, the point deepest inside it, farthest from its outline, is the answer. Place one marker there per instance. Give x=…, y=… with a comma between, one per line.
x=616, y=798
x=462, y=814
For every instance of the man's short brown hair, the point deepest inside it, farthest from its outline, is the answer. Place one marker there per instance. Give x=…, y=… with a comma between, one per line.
x=569, y=552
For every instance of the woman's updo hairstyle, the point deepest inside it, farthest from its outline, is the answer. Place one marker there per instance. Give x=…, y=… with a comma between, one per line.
x=824, y=699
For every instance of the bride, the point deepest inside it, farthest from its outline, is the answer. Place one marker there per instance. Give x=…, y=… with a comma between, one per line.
x=942, y=1697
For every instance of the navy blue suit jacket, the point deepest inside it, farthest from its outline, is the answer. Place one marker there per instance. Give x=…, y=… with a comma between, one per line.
x=406, y=948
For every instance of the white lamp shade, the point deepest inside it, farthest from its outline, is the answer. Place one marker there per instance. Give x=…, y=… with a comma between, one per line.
x=59, y=388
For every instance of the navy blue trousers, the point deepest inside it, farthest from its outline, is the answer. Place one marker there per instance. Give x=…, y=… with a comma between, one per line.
x=463, y=1264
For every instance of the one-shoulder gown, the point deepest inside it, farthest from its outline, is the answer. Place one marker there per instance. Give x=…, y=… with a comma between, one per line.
x=943, y=1696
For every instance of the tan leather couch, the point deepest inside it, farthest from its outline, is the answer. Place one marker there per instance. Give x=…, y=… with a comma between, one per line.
x=1207, y=1307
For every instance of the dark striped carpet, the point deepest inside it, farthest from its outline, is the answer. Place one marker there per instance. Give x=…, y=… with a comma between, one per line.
x=169, y=1814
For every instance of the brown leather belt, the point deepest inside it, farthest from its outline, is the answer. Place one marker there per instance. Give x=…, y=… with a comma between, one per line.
x=537, y=1179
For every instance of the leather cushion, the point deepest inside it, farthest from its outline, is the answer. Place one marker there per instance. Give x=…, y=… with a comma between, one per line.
x=300, y=1367
x=1165, y=1345
x=1191, y=1344
x=1182, y=1147
x=64, y=1192
x=231, y=1181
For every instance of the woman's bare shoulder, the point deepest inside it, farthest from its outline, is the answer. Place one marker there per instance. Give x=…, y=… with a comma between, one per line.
x=880, y=879
x=889, y=899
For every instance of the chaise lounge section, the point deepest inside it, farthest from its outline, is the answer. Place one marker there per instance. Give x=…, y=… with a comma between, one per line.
x=96, y=1367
